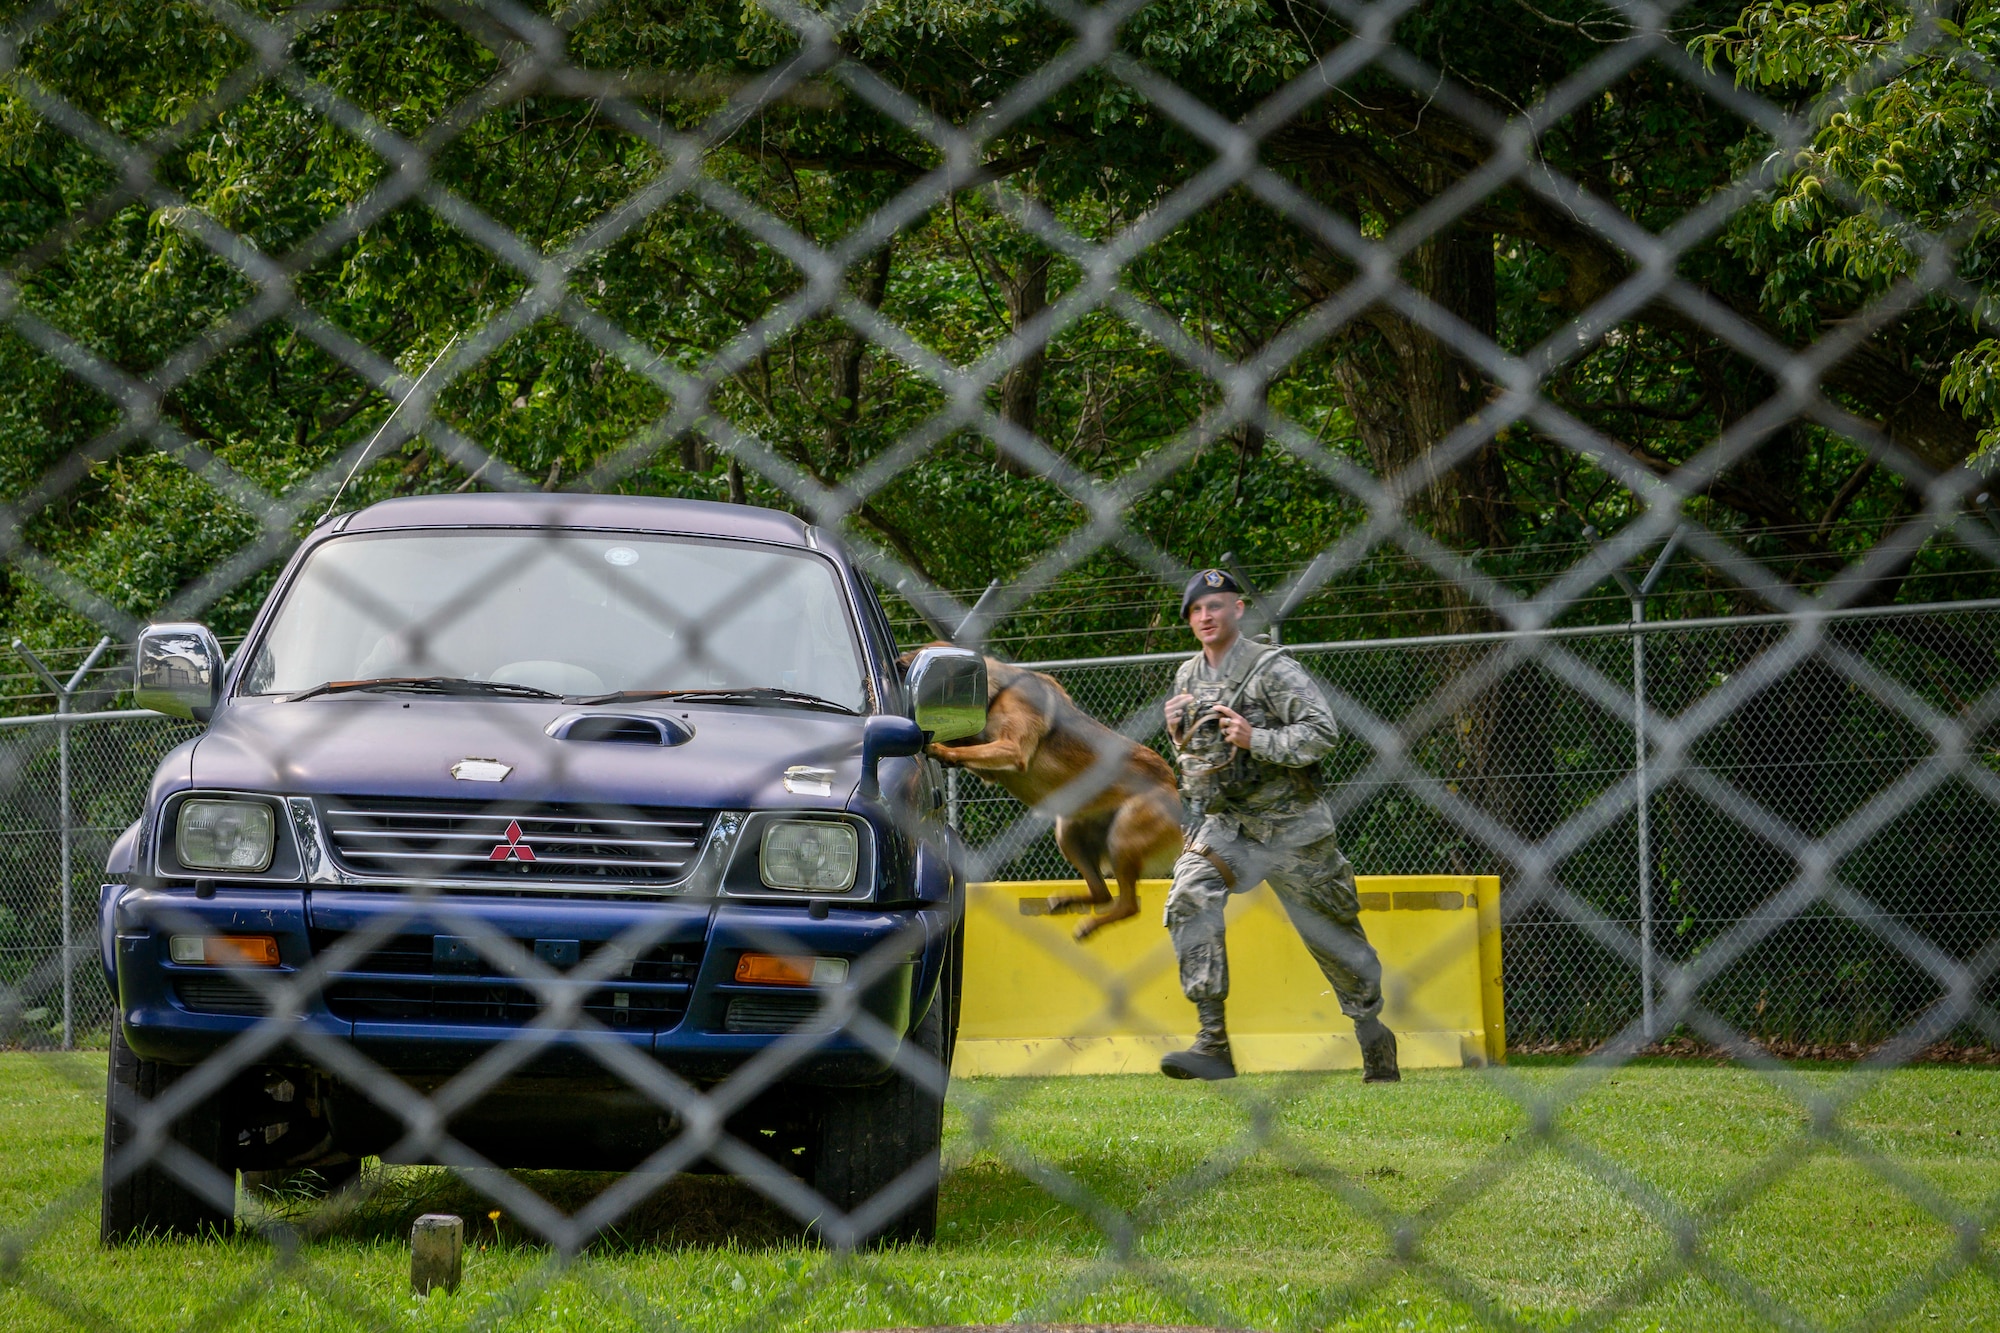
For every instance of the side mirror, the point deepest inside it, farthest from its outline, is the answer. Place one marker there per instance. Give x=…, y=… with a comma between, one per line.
x=177, y=670
x=948, y=692
x=884, y=736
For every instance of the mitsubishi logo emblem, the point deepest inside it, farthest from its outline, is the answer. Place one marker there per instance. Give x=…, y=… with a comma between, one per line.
x=513, y=849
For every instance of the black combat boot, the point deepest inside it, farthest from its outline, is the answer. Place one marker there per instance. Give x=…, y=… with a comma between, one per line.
x=1378, y=1051
x=1208, y=1058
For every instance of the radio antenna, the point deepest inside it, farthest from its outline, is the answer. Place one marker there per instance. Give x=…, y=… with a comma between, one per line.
x=342, y=489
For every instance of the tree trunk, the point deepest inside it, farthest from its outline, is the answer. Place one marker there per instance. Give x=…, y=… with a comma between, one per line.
x=849, y=354
x=1027, y=293
x=1408, y=391
x=1027, y=296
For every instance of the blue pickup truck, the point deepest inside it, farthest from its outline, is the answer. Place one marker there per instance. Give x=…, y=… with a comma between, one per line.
x=590, y=822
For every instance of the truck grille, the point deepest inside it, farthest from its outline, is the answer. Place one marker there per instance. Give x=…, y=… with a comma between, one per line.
x=402, y=980
x=483, y=840
x=771, y=1013
x=221, y=994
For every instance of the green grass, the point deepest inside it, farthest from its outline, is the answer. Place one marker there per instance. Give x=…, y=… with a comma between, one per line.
x=1295, y=1234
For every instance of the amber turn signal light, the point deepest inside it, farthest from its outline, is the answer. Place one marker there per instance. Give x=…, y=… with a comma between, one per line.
x=771, y=969
x=224, y=950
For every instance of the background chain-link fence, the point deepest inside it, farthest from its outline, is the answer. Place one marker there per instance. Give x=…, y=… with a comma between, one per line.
x=596, y=248
x=1819, y=746
x=111, y=764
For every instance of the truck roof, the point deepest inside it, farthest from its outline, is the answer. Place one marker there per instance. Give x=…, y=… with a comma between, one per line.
x=625, y=513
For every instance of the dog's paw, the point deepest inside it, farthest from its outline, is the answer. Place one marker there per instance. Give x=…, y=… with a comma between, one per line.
x=1090, y=925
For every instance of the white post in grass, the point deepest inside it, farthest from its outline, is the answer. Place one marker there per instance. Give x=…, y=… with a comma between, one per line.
x=437, y=1253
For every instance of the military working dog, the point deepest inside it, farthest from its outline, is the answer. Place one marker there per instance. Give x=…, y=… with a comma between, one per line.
x=1116, y=804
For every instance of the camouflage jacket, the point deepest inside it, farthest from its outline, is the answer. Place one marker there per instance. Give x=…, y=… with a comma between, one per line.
x=1271, y=791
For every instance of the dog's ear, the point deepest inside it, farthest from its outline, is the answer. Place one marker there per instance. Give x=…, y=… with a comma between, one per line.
x=910, y=655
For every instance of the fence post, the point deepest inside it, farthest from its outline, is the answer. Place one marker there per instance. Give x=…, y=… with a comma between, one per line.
x=978, y=609
x=1645, y=816
x=64, y=695
x=1638, y=593
x=1639, y=780
x=1272, y=616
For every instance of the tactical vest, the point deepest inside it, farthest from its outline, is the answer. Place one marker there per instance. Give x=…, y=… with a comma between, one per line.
x=1214, y=773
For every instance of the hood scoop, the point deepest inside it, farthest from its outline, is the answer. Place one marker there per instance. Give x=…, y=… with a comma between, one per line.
x=621, y=729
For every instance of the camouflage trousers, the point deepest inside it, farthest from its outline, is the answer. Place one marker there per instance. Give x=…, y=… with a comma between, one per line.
x=1316, y=885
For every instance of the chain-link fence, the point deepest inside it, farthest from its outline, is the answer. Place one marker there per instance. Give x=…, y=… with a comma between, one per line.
x=576, y=829
x=1818, y=746
x=1820, y=979
x=110, y=765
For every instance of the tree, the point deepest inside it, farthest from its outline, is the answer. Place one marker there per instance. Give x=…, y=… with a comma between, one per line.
x=134, y=282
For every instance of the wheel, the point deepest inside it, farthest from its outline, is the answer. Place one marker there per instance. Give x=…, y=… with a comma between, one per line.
x=868, y=1137
x=150, y=1201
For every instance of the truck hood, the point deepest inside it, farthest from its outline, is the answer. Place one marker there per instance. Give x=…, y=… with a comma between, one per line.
x=395, y=745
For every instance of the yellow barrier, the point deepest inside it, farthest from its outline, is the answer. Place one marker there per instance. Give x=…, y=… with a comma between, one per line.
x=1038, y=1002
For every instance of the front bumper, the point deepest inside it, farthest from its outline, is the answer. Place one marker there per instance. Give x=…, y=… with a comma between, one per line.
x=357, y=965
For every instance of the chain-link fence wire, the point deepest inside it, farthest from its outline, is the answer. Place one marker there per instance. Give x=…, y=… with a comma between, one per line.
x=1806, y=839
x=1822, y=979
x=111, y=764
x=1815, y=745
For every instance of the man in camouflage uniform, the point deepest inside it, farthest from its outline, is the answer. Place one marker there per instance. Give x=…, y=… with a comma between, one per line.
x=1250, y=727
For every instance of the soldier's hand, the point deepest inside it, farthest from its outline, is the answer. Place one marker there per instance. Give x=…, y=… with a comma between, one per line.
x=1174, y=707
x=1235, y=727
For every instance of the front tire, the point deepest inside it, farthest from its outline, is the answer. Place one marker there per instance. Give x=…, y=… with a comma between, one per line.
x=869, y=1137
x=151, y=1201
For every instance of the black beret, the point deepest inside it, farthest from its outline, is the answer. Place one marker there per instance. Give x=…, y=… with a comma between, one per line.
x=1206, y=582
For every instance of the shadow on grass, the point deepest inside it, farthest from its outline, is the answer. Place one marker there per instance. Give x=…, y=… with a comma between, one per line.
x=983, y=1202
x=686, y=1211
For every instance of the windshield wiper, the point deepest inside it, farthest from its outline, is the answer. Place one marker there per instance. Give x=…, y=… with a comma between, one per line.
x=753, y=694
x=426, y=685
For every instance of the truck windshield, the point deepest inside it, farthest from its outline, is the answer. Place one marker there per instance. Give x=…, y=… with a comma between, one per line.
x=568, y=612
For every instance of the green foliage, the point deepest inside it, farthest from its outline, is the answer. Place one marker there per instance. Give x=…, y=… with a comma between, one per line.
x=705, y=296
x=1905, y=151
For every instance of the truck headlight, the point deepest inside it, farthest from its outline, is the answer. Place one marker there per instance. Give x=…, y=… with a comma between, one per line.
x=225, y=835
x=813, y=855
